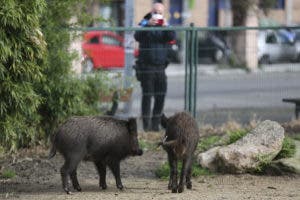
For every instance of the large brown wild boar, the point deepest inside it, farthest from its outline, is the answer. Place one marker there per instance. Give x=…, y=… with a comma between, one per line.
x=180, y=142
x=104, y=140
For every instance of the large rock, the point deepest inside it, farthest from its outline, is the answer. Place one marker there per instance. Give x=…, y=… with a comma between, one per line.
x=260, y=145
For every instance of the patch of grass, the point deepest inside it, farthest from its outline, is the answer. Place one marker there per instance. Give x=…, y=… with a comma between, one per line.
x=236, y=135
x=296, y=137
x=145, y=145
x=207, y=142
x=288, y=148
x=265, y=161
x=163, y=171
x=7, y=174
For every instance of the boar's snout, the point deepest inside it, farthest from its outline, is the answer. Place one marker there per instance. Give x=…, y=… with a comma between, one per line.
x=137, y=152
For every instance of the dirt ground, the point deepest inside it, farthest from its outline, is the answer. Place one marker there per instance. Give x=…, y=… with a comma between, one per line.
x=39, y=178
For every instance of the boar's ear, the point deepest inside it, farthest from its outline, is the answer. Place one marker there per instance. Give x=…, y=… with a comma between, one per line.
x=164, y=121
x=132, y=126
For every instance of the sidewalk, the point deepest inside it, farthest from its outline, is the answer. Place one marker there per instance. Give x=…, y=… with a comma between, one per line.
x=212, y=69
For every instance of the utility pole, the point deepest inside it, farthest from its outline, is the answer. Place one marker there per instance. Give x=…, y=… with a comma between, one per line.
x=129, y=50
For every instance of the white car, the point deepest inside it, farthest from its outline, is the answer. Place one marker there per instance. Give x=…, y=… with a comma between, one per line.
x=273, y=46
x=297, y=44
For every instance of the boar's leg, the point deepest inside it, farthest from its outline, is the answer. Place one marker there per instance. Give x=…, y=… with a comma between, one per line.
x=114, y=166
x=185, y=166
x=74, y=179
x=101, y=167
x=69, y=166
x=173, y=172
x=188, y=178
x=64, y=177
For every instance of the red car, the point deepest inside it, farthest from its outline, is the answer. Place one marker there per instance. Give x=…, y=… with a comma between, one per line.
x=102, y=50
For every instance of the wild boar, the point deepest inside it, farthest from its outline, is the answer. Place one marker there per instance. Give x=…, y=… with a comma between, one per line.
x=180, y=142
x=103, y=140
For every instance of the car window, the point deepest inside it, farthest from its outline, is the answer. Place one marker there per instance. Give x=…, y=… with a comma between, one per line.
x=106, y=39
x=282, y=39
x=271, y=39
x=94, y=40
x=297, y=36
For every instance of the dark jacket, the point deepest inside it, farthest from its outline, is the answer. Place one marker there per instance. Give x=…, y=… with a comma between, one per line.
x=153, y=46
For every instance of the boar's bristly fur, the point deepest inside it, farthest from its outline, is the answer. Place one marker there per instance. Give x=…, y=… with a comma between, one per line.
x=101, y=139
x=180, y=142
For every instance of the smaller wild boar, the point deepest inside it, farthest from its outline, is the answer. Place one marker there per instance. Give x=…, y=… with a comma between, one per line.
x=102, y=139
x=180, y=142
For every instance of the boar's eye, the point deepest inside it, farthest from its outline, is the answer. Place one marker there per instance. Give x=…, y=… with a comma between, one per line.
x=132, y=126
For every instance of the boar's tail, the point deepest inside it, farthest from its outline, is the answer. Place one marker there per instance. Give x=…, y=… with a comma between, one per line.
x=52, y=152
x=53, y=148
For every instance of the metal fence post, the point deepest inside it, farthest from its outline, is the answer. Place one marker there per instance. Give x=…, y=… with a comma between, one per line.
x=191, y=70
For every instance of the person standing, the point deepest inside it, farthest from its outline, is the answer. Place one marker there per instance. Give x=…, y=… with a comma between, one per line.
x=151, y=64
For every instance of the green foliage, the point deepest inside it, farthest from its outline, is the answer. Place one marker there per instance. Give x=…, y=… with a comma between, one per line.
x=38, y=89
x=288, y=148
x=163, y=172
x=22, y=49
x=265, y=5
x=206, y=143
x=240, y=9
x=63, y=93
x=7, y=174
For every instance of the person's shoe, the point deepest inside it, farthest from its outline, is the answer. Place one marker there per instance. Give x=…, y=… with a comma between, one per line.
x=155, y=124
x=155, y=128
x=147, y=129
x=146, y=125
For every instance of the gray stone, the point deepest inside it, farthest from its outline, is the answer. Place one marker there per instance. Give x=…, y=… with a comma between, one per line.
x=207, y=159
x=262, y=144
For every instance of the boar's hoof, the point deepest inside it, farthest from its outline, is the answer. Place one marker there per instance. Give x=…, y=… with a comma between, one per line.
x=67, y=191
x=120, y=186
x=180, y=188
x=78, y=188
x=174, y=190
x=103, y=186
x=189, y=185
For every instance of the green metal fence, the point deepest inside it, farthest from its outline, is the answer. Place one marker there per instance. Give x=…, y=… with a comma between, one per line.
x=190, y=39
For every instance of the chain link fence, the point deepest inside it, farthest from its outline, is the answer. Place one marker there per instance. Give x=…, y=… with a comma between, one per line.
x=217, y=74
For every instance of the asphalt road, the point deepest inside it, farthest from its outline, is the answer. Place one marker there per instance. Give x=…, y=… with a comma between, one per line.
x=233, y=94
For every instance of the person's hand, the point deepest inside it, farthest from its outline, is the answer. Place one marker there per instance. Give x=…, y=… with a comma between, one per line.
x=152, y=22
x=165, y=23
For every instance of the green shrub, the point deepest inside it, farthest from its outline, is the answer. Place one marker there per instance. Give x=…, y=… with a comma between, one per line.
x=38, y=88
x=22, y=51
x=163, y=171
x=65, y=94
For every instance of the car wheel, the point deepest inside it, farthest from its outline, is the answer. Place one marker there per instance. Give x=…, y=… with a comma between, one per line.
x=87, y=66
x=298, y=58
x=218, y=55
x=265, y=60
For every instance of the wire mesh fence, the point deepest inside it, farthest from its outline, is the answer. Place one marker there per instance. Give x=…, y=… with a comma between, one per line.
x=216, y=74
